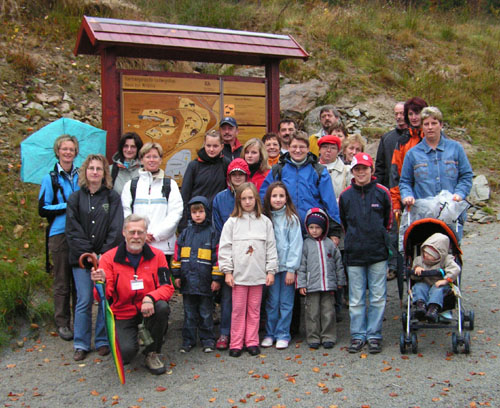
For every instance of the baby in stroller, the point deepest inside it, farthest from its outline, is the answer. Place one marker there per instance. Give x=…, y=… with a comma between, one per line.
x=429, y=291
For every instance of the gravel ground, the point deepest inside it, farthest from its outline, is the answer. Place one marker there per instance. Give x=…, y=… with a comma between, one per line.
x=42, y=372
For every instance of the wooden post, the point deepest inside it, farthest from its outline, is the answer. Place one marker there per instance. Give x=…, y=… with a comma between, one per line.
x=273, y=95
x=110, y=83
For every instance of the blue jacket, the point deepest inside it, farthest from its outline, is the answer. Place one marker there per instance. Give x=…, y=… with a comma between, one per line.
x=304, y=187
x=366, y=216
x=222, y=207
x=195, y=256
x=50, y=208
x=289, y=242
x=426, y=172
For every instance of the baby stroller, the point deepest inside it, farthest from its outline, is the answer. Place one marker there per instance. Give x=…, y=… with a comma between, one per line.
x=415, y=235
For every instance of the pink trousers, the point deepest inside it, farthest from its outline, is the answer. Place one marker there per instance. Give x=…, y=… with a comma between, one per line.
x=245, y=316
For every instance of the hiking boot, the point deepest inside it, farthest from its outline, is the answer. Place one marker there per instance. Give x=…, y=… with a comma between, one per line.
x=103, y=351
x=65, y=333
x=79, y=355
x=328, y=344
x=154, y=364
x=432, y=313
x=235, y=352
x=222, y=343
x=314, y=346
x=356, y=346
x=267, y=342
x=420, y=309
x=253, y=350
x=374, y=346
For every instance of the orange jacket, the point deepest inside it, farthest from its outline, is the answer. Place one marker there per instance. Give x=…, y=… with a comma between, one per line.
x=410, y=139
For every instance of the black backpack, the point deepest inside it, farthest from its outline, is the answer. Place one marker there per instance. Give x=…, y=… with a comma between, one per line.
x=165, y=189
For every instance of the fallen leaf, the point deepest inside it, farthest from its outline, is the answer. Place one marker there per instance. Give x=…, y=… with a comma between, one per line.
x=393, y=394
x=34, y=326
x=212, y=399
x=363, y=355
x=321, y=385
x=94, y=393
x=160, y=389
x=316, y=369
x=339, y=389
x=243, y=400
x=196, y=376
x=11, y=365
x=386, y=368
x=265, y=376
x=230, y=401
x=436, y=399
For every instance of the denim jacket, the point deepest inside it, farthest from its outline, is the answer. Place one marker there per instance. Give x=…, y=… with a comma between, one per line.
x=426, y=172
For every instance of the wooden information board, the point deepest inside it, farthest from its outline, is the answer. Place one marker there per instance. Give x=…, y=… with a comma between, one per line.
x=177, y=111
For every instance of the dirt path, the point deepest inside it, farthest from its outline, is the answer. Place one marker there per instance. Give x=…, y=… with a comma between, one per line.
x=43, y=374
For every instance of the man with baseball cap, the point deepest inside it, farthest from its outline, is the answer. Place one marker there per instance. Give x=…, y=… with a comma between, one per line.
x=366, y=215
x=228, y=128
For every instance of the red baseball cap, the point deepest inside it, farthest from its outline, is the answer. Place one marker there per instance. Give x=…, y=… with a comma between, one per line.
x=362, y=158
x=330, y=139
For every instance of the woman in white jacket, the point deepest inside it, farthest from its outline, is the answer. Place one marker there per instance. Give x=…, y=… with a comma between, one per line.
x=158, y=199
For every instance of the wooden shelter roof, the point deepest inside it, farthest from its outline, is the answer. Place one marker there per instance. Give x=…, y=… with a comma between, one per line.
x=138, y=39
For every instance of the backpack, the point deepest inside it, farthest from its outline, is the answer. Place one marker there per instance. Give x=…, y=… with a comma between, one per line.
x=165, y=189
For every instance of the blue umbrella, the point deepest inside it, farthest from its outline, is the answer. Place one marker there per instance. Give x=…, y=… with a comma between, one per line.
x=37, y=154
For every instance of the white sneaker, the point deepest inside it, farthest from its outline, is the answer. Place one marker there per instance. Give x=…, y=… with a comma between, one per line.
x=281, y=344
x=267, y=342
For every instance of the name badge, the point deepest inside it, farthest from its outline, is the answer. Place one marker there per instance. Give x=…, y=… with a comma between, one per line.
x=137, y=284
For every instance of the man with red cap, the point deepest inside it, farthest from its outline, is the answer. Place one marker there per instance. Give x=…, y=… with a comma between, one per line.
x=366, y=215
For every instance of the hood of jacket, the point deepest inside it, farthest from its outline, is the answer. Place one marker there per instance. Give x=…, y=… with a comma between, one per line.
x=313, y=211
x=208, y=213
x=120, y=163
x=440, y=243
x=239, y=164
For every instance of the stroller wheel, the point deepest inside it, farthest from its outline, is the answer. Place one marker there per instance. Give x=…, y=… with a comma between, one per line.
x=467, y=343
x=414, y=343
x=404, y=320
x=402, y=343
x=470, y=318
x=454, y=342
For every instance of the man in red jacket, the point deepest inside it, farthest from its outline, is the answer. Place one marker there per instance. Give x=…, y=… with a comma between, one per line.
x=138, y=288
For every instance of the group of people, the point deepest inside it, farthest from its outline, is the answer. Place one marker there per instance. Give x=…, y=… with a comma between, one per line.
x=253, y=227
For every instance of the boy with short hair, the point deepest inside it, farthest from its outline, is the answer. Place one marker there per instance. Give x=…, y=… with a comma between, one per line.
x=197, y=275
x=320, y=274
x=429, y=292
x=366, y=215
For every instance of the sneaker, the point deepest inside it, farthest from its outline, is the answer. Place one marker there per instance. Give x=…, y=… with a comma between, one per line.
x=185, y=348
x=328, y=344
x=267, y=342
x=65, y=333
x=235, y=352
x=208, y=349
x=282, y=344
x=314, y=346
x=356, y=346
x=420, y=309
x=222, y=343
x=103, y=351
x=253, y=350
x=79, y=355
x=374, y=346
x=432, y=313
x=154, y=364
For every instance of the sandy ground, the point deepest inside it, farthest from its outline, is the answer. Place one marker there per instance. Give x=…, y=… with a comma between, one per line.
x=42, y=373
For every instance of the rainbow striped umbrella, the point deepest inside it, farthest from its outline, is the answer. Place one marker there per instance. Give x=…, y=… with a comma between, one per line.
x=109, y=318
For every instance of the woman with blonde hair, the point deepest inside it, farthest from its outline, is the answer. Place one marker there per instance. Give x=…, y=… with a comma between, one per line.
x=353, y=145
x=255, y=154
x=93, y=224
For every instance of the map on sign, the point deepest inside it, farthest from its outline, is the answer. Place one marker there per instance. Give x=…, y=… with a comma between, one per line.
x=177, y=122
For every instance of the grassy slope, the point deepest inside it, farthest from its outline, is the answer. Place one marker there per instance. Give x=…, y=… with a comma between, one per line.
x=450, y=59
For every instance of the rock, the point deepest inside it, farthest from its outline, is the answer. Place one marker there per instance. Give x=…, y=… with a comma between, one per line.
x=35, y=106
x=355, y=113
x=67, y=98
x=479, y=214
x=4, y=120
x=480, y=190
x=302, y=97
x=22, y=119
x=257, y=72
x=42, y=97
x=311, y=122
x=64, y=107
x=54, y=99
x=487, y=219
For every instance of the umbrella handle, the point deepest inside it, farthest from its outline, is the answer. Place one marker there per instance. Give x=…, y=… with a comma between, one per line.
x=90, y=257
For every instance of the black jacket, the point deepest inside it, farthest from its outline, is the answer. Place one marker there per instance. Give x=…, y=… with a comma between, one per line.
x=93, y=222
x=366, y=215
x=205, y=177
x=195, y=257
x=383, y=162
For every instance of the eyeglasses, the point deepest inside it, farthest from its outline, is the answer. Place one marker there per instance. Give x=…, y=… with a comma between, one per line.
x=329, y=147
x=298, y=148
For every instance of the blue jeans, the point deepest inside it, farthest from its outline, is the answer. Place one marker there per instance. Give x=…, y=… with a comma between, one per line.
x=430, y=294
x=83, y=313
x=226, y=308
x=198, y=320
x=367, y=324
x=279, y=307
